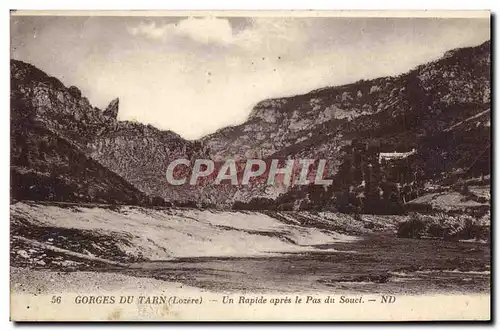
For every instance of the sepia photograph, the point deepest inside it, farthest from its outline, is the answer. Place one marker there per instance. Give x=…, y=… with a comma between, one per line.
x=250, y=165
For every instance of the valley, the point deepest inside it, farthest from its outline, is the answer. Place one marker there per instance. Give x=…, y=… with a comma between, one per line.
x=403, y=207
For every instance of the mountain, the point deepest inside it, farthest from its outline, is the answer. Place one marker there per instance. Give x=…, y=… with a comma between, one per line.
x=136, y=152
x=60, y=109
x=399, y=111
x=440, y=109
x=46, y=166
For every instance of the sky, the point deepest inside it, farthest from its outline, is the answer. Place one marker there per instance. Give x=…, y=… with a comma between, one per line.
x=194, y=75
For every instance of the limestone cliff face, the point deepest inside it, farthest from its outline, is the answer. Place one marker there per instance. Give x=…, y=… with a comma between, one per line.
x=111, y=110
x=61, y=109
x=141, y=153
x=45, y=163
x=399, y=111
x=136, y=152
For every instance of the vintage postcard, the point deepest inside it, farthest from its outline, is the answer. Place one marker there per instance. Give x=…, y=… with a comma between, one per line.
x=250, y=166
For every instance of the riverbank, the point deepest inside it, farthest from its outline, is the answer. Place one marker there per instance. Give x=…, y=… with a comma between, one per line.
x=73, y=236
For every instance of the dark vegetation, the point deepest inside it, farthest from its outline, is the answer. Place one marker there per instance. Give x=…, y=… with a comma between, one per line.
x=363, y=184
x=445, y=227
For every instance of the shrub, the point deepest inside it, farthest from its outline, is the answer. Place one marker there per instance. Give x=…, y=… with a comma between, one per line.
x=445, y=227
x=413, y=228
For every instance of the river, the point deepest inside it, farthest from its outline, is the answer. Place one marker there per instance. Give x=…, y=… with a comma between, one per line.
x=373, y=264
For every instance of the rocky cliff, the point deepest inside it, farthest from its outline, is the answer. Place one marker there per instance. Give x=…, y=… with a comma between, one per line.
x=441, y=109
x=399, y=112
x=48, y=166
x=139, y=153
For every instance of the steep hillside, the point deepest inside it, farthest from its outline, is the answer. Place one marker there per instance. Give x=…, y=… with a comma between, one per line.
x=400, y=113
x=47, y=166
x=138, y=153
x=60, y=109
x=141, y=153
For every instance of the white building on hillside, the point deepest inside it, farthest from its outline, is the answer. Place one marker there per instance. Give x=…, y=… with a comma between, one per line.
x=396, y=155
